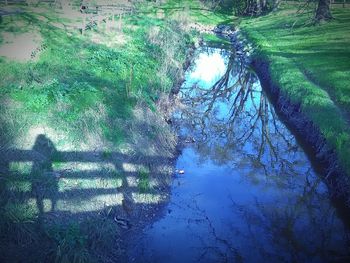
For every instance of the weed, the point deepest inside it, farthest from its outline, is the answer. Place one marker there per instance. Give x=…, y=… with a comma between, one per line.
x=144, y=180
x=70, y=243
x=20, y=167
x=57, y=165
x=106, y=154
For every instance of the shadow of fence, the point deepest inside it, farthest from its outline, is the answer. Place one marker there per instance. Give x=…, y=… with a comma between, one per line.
x=73, y=183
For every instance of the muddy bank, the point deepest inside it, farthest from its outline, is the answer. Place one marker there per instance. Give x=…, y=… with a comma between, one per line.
x=321, y=154
x=310, y=136
x=165, y=106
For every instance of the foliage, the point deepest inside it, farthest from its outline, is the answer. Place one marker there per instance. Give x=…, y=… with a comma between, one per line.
x=243, y=7
x=254, y=7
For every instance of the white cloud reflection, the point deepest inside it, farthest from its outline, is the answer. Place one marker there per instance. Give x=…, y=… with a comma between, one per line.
x=208, y=67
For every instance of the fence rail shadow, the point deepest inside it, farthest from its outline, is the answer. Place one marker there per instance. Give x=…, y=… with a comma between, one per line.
x=96, y=181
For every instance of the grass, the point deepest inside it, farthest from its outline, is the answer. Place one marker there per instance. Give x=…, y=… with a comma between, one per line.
x=197, y=12
x=80, y=92
x=311, y=64
x=106, y=154
x=61, y=94
x=214, y=40
x=144, y=180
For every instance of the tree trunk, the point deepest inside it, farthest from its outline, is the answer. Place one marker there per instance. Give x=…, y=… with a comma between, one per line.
x=257, y=7
x=323, y=11
x=276, y=4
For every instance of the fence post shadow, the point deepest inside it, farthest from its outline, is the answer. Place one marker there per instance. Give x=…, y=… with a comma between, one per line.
x=44, y=182
x=41, y=170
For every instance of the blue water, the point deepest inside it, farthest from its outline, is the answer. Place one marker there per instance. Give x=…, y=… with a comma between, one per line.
x=249, y=192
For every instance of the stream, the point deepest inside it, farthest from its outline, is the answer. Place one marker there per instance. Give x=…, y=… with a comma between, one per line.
x=245, y=191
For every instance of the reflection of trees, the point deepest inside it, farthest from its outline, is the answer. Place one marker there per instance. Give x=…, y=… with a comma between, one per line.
x=293, y=221
x=233, y=120
x=213, y=246
x=301, y=227
x=298, y=229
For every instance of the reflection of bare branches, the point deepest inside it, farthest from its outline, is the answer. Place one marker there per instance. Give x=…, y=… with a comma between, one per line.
x=233, y=121
x=225, y=249
x=299, y=229
x=213, y=244
x=234, y=117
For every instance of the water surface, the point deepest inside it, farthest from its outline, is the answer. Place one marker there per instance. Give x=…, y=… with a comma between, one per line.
x=249, y=192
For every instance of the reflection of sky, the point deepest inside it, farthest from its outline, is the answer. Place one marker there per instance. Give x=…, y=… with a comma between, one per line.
x=209, y=68
x=269, y=210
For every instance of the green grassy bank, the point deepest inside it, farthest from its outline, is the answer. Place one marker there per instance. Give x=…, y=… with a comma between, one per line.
x=311, y=65
x=84, y=145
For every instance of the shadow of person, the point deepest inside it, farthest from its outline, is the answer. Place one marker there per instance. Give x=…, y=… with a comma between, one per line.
x=44, y=181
